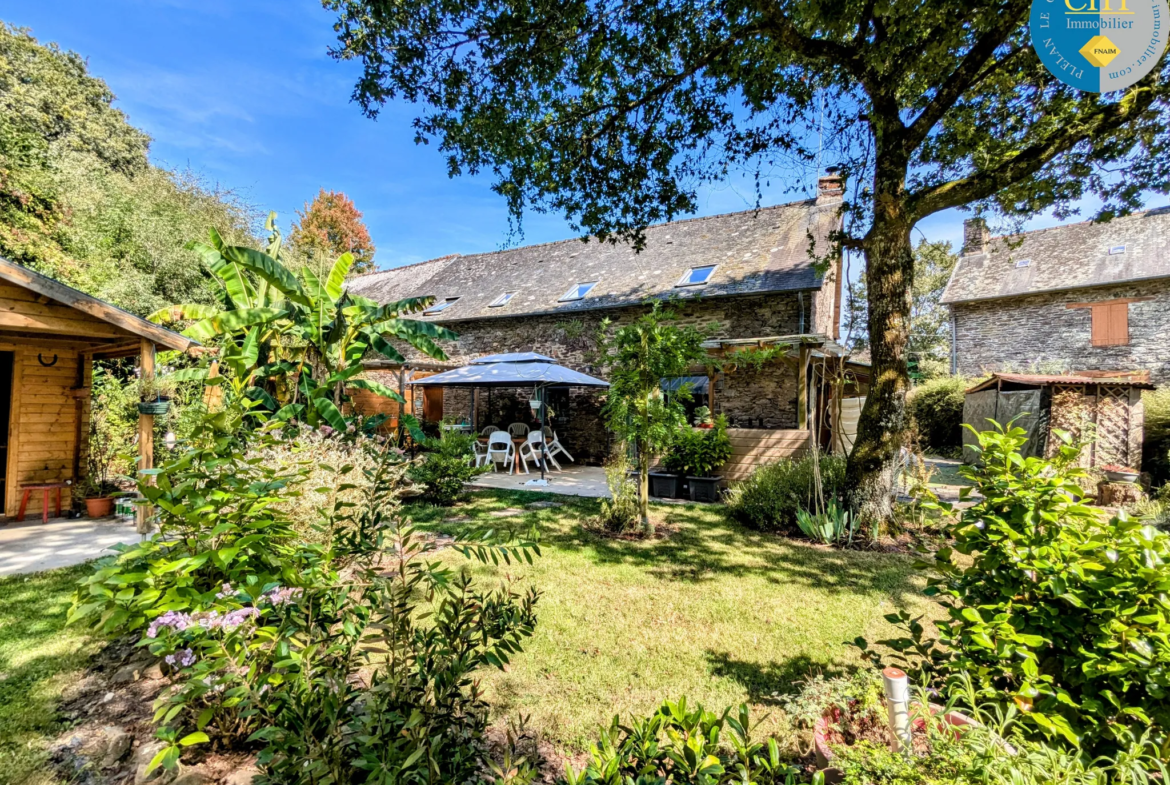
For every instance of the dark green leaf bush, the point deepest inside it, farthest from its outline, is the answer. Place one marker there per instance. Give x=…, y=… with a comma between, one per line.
x=679, y=744
x=936, y=411
x=769, y=499
x=698, y=452
x=1156, y=446
x=1053, y=606
x=443, y=471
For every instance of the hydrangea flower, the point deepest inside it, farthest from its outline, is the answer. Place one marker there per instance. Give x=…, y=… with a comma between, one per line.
x=282, y=595
x=184, y=658
x=173, y=620
x=230, y=620
x=226, y=591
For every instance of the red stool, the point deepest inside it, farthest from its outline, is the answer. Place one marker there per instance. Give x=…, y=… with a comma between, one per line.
x=44, y=487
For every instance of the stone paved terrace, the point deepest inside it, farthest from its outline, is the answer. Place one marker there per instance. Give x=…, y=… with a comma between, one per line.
x=573, y=481
x=33, y=546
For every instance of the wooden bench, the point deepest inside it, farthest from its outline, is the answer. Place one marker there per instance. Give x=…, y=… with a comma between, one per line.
x=44, y=487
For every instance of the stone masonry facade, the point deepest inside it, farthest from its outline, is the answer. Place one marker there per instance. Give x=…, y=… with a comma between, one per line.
x=1039, y=333
x=756, y=398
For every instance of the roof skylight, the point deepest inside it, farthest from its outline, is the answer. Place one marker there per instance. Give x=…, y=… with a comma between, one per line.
x=1116, y=249
x=441, y=305
x=577, y=292
x=502, y=300
x=697, y=276
x=1024, y=263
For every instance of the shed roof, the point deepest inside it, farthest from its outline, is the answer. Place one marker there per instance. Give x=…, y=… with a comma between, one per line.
x=1073, y=256
x=756, y=251
x=1139, y=379
x=19, y=275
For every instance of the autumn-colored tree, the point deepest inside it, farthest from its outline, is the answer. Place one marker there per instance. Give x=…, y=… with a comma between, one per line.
x=330, y=226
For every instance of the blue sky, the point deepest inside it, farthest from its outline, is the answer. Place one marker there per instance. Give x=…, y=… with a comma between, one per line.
x=244, y=92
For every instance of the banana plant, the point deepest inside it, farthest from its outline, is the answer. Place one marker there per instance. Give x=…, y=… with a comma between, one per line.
x=299, y=340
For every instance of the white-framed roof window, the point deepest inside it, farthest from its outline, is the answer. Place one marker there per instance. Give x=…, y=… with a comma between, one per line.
x=1024, y=263
x=440, y=305
x=697, y=276
x=577, y=291
x=502, y=300
x=1114, y=250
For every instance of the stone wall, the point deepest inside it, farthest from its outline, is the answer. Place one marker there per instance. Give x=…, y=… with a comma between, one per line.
x=745, y=395
x=1040, y=334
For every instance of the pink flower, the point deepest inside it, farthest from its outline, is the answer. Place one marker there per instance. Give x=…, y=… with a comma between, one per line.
x=184, y=658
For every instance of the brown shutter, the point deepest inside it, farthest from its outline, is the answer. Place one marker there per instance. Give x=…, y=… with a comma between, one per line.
x=1110, y=324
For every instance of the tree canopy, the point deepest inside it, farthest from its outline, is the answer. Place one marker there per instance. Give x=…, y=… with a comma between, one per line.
x=329, y=226
x=79, y=199
x=616, y=113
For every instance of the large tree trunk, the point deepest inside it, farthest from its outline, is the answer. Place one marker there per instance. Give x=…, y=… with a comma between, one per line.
x=889, y=264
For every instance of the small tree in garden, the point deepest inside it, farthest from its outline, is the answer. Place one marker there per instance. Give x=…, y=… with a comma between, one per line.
x=331, y=226
x=639, y=356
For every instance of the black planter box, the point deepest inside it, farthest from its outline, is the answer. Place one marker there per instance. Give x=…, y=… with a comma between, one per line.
x=704, y=489
x=665, y=486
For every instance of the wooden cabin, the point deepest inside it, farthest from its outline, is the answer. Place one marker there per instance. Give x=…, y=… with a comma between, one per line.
x=50, y=334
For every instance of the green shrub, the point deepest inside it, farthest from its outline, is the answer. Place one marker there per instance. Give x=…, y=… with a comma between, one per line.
x=935, y=408
x=770, y=498
x=448, y=466
x=620, y=513
x=698, y=452
x=678, y=744
x=1052, y=606
x=1156, y=447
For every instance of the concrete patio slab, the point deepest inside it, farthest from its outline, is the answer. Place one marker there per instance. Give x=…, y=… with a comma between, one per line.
x=573, y=481
x=32, y=547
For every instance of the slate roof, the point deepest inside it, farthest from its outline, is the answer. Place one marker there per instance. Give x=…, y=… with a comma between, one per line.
x=757, y=251
x=1073, y=256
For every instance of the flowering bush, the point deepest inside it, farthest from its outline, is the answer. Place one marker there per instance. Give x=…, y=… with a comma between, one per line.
x=1054, y=607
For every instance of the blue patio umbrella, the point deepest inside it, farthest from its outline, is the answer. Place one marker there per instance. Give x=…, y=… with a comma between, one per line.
x=518, y=369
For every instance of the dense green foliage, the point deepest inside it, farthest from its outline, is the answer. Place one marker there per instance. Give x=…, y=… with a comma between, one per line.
x=698, y=452
x=295, y=342
x=770, y=498
x=446, y=466
x=1156, y=424
x=621, y=512
x=78, y=199
x=1052, y=605
x=683, y=744
x=637, y=357
x=935, y=408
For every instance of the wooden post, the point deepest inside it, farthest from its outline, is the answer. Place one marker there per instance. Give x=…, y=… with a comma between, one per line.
x=145, y=435
x=802, y=388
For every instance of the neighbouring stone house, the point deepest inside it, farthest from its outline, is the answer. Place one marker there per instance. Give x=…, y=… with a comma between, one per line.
x=762, y=276
x=1074, y=298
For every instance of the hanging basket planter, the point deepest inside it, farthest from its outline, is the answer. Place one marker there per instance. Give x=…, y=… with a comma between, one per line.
x=154, y=407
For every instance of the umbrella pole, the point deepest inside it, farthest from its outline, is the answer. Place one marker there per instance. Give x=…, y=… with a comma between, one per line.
x=543, y=446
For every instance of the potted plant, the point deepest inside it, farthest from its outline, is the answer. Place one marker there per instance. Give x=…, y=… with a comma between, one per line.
x=98, y=488
x=154, y=395
x=1115, y=473
x=707, y=450
x=703, y=418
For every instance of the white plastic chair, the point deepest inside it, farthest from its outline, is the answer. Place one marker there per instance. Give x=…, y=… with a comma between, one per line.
x=488, y=431
x=554, y=445
x=481, y=454
x=500, y=448
x=518, y=430
x=530, y=451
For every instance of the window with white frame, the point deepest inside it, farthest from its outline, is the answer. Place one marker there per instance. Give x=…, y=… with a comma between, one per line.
x=578, y=291
x=502, y=300
x=697, y=276
x=440, y=305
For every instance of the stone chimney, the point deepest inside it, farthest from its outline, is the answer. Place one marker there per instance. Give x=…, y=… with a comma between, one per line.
x=975, y=236
x=830, y=187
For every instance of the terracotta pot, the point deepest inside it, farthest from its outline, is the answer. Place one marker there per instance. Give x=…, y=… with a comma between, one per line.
x=705, y=426
x=100, y=506
x=825, y=754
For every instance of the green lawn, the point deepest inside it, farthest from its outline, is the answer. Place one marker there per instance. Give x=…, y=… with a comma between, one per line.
x=715, y=612
x=39, y=657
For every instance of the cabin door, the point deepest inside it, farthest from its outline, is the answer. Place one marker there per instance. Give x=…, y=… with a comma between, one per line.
x=433, y=404
x=6, y=361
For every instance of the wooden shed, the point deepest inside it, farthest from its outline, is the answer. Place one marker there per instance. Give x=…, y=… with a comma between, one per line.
x=1106, y=405
x=50, y=335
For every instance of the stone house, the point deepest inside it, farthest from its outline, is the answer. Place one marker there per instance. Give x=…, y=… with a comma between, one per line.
x=761, y=276
x=1082, y=297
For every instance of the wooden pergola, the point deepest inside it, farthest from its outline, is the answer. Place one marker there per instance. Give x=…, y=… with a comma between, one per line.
x=50, y=334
